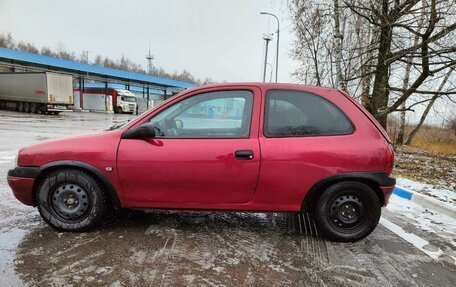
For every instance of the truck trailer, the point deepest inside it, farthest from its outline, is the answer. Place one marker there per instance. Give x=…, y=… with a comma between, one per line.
x=34, y=92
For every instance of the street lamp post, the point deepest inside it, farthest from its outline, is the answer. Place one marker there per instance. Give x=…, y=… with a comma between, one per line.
x=267, y=38
x=278, y=35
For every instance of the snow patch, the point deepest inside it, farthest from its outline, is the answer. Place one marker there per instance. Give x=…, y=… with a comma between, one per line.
x=445, y=195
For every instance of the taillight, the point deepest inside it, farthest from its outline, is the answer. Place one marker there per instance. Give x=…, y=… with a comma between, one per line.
x=389, y=159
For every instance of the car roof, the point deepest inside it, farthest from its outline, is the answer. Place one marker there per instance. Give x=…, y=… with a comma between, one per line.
x=267, y=86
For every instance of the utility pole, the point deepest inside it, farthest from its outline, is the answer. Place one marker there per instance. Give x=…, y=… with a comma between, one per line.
x=149, y=58
x=270, y=73
x=278, y=37
x=267, y=38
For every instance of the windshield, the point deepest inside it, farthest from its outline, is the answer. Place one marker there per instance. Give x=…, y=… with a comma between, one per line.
x=128, y=99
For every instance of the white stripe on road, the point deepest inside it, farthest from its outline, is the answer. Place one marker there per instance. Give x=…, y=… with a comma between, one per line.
x=416, y=241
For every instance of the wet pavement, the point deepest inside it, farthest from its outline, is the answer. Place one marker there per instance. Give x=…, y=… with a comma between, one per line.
x=194, y=248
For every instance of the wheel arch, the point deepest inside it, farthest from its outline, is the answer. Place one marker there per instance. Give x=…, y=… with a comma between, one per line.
x=91, y=170
x=373, y=179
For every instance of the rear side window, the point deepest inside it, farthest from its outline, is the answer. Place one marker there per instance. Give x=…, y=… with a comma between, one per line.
x=296, y=113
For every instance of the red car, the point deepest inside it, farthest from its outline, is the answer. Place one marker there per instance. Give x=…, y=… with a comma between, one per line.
x=229, y=147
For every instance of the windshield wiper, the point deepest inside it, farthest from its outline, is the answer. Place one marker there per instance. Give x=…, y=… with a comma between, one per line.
x=117, y=126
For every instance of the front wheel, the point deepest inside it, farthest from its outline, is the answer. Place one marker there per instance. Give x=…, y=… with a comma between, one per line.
x=71, y=200
x=348, y=211
x=119, y=110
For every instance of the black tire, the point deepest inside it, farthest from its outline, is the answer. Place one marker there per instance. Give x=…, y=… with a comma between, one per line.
x=27, y=107
x=34, y=108
x=119, y=110
x=87, y=208
x=348, y=211
x=20, y=107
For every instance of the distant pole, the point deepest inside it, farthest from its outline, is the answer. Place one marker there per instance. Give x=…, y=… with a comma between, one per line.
x=267, y=38
x=270, y=74
x=86, y=56
x=149, y=58
x=278, y=41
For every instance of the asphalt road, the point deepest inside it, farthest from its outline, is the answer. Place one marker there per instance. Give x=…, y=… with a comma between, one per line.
x=194, y=249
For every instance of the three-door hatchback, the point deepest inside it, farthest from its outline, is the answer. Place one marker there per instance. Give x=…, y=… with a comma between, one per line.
x=228, y=147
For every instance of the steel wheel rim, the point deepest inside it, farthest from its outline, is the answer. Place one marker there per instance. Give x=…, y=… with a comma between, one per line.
x=70, y=201
x=346, y=211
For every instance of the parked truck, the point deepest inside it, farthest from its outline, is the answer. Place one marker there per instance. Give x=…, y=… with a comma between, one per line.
x=34, y=92
x=106, y=99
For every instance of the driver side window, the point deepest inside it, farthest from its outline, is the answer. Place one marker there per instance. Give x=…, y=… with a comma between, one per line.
x=223, y=114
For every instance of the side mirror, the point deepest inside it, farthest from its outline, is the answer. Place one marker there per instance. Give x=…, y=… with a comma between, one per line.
x=143, y=132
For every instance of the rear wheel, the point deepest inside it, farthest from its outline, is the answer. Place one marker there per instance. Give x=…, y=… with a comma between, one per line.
x=348, y=211
x=34, y=108
x=71, y=200
x=20, y=107
x=27, y=107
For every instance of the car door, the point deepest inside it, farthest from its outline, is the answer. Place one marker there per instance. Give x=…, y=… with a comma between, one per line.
x=206, y=151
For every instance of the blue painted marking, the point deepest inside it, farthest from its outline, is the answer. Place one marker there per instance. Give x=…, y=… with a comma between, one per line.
x=403, y=193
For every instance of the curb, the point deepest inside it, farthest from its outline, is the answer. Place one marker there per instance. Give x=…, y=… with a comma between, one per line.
x=426, y=201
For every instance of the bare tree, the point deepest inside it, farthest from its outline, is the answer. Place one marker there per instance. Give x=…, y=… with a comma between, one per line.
x=312, y=50
x=428, y=107
x=6, y=41
x=383, y=41
x=338, y=35
x=405, y=85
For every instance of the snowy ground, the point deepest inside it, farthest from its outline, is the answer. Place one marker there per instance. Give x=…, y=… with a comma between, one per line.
x=439, y=229
x=442, y=194
x=412, y=246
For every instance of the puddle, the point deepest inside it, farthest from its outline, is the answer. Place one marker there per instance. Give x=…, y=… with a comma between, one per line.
x=9, y=240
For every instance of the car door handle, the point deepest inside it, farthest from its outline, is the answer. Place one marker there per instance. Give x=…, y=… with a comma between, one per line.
x=244, y=154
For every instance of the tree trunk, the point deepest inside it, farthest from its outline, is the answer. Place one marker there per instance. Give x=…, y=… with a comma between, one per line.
x=400, y=134
x=380, y=93
x=408, y=67
x=338, y=49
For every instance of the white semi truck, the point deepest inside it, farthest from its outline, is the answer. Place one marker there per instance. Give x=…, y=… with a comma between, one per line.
x=106, y=99
x=34, y=92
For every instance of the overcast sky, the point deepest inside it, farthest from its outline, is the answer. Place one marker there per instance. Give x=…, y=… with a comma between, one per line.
x=221, y=40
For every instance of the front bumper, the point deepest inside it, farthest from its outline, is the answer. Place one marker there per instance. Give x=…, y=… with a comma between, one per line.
x=21, y=180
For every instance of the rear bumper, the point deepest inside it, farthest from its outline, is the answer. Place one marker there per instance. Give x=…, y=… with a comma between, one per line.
x=387, y=184
x=21, y=180
x=387, y=191
x=58, y=107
